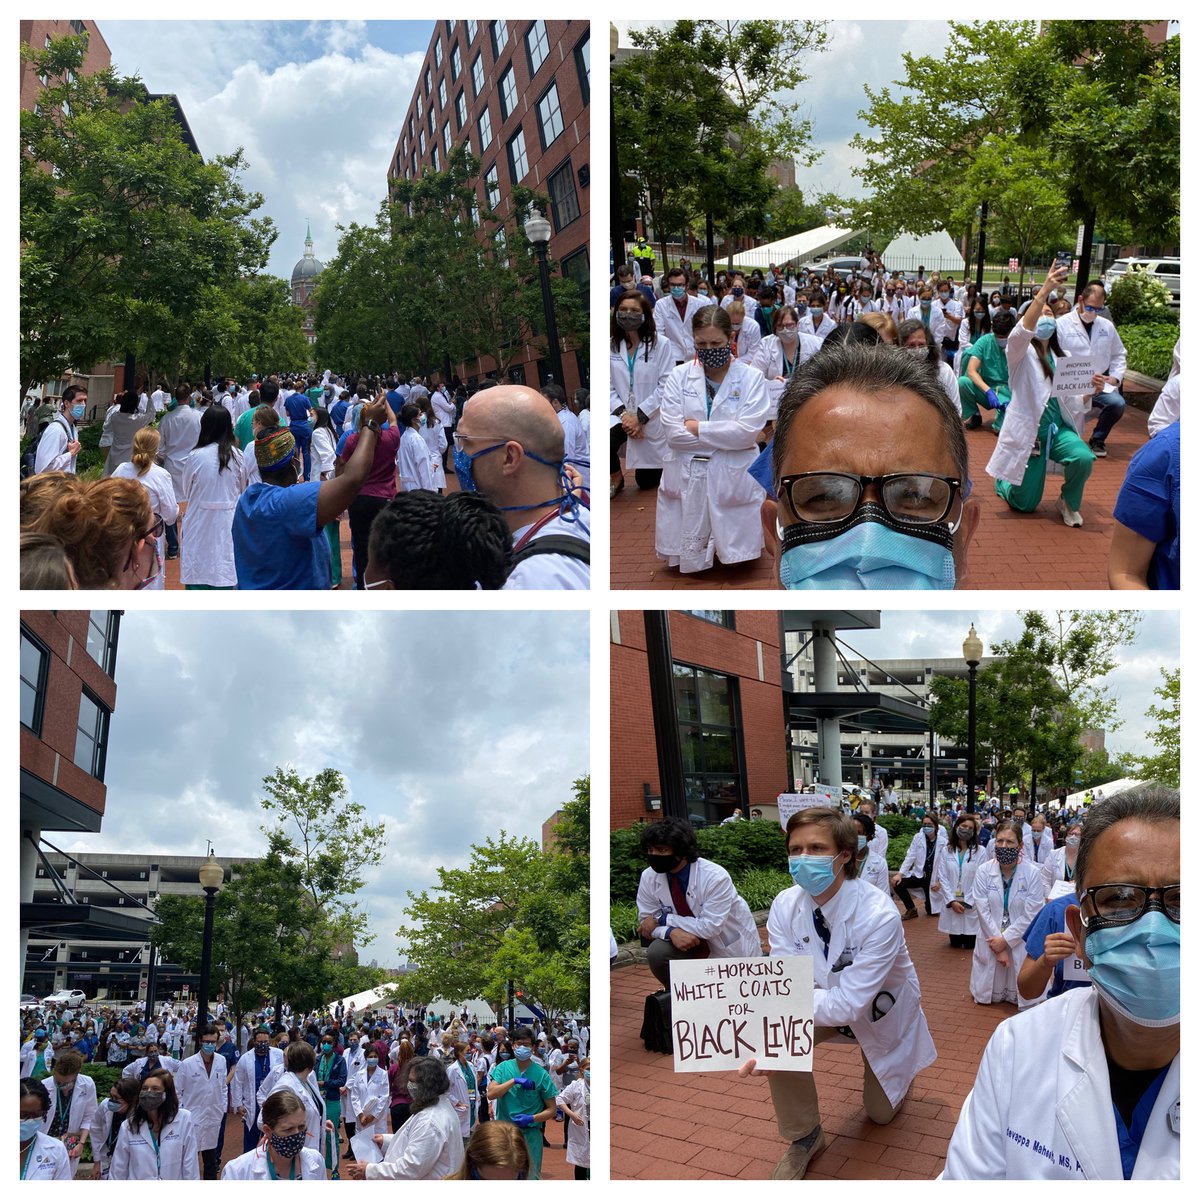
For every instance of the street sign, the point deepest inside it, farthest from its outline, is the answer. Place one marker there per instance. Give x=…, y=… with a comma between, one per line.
x=1079, y=241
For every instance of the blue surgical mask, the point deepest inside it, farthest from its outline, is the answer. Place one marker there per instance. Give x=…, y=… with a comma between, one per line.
x=29, y=1126
x=816, y=310
x=1136, y=968
x=813, y=872
x=77, y=411
x=1045, y=328
x=866, y=550
x=587, y=1075
x=677, y=293
x=1037, y=835
x=207, y=1049
x=113, y=1105
x=523, y=1053
x=862, y=842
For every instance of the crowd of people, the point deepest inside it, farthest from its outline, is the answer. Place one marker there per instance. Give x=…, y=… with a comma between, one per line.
x=772, y=410
x=329, y=1094
x=247, y=485
x=1072, y=915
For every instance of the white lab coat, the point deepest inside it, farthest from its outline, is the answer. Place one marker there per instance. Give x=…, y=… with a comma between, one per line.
x=768, y=358
x=29, y=1053
x=134, y=1156
x=412, y=461
x=707, y=503
x=241, y=1086
x=820, y=329
x=874, y=870
x=958, y=882
x=557, y=572
x=879, y=843
x=1056, y=868
x=948, y=379
x=206, y=547
x=745, y=340
x=577, y=1096
x=100, y=1128
x=650, y=371
x=748, y=303
x=178, y=433
x=719, y=915
x=309, y=1092
x=574, y=443
x=434, y=437
x=914, y=863
x=52, y=452
x=161, y=493
x=322, y=454
x=1030, y=392
x=1104, y=347
x=83, y=1104
x=428, y=1146
x=253, y=1165
x=867, y=938
x=49, y=1160
x=1166, y=407
x=1043, y=1085
x=668, y=324
x=373, y=1093
x=991, y=982
x=949, y=329
x=205, y=1095
x=355, y=1062
x=460, y=1094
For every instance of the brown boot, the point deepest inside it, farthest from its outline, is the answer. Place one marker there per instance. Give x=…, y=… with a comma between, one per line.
x=794, y=1163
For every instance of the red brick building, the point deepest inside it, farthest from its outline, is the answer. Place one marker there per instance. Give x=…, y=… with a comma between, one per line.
x=517, y=93
x=38, y=35
x=729, y=705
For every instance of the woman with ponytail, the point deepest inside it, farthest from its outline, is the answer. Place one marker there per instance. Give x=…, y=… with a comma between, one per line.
x=157, y=481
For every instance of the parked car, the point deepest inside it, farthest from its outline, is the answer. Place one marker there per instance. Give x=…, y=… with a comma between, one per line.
x=66, y=996
x=1165, y=270
x=29, y=1003
x=843, y=266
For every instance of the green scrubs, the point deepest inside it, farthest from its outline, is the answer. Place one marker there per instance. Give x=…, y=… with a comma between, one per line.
x=526, y=1100
x=1065, y=447
x=993, y=366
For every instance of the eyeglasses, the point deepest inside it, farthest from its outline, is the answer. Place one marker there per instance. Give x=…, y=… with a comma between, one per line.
x=461, y=438
x=1091, y=308
x=1121, y=903
x=911, y=499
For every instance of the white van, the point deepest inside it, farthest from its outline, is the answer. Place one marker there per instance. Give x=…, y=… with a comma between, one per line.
x=1165, y=270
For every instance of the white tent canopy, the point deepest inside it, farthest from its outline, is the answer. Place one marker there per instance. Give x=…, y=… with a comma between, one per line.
x=799, y=247
x=1115, y=788
x=933, y=251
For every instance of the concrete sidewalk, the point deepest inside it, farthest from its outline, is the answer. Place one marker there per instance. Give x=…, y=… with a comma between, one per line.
x=1010, y=550
x=717, y=1126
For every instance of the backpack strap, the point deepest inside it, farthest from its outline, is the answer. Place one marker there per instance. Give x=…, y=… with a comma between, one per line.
x=556, y=543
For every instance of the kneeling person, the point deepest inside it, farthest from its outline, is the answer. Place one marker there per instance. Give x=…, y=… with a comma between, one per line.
x=865, y=985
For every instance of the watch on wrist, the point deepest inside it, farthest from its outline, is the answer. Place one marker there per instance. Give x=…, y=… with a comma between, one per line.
x=372, y=424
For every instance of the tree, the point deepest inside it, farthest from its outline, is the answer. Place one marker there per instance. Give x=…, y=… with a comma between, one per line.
x=332, y=846
x=123, y=227
x=1163, y=766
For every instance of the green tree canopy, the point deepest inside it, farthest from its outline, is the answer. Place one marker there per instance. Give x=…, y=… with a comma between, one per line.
x=1163, y=765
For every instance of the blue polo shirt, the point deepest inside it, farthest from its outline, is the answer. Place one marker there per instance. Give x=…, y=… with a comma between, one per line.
x=297, y=406
x=1052, y=919
x=277, y=543
x=1148, y=503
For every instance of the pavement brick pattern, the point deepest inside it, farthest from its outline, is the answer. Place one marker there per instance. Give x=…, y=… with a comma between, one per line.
x=717, y=1126
x=1010, y=549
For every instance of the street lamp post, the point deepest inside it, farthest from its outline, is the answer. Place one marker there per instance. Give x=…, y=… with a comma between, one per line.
x=212, y=875
x=973, y=655
x=537, y=230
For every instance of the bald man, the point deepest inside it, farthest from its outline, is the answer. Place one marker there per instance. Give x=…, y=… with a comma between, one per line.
x=509, y=446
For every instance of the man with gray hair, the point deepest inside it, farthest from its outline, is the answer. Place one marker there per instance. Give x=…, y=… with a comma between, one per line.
x=1086, y=1085
x=870, y=475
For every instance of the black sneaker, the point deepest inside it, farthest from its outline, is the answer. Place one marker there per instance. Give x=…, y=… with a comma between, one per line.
x=975, y=422
x=1097, y=448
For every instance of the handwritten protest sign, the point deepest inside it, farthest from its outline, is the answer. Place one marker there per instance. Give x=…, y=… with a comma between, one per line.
x=727, y=1010
x=1073, y=376
x=824, y=795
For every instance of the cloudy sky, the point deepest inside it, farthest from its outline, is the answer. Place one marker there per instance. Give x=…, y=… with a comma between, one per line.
x=940, y=635
x=447, y=726
x=315, y=104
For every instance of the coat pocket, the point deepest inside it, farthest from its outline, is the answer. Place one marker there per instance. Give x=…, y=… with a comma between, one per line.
x=671, y=484
x=732, y=486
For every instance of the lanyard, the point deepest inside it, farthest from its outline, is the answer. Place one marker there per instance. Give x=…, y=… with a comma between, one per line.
x=789, y=367
x=631, y=360
x=271, y=1167
x=157, y=1152
x=710, y=393
x=1007, y=885
x=28, y=1156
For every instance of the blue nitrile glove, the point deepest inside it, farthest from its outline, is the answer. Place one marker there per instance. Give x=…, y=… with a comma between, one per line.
x=523, y=1081
x=523, y=1121
x=993, y=401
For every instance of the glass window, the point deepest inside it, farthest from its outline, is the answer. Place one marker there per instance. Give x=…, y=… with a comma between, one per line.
x=717, y=616
x=537, y=46
x=508, y=93
x=437, y=53
x=707, y=709
x=420, y=109
x=432, y=125
x=428, y=81
x=101, y=640
x=583, y=64
x=472, y=30
x=518, y=161
x=550, y=120
x=477, y=76
x=499, y=37
x=485, y=130
x=421, y=142
x=34, y=661
x=564, y=203
x=460, y=109
x=446, y=136
x=442, y=93
x=455, y=63
x=434, y=156
x=491, y=182
x=575, y=267
x=91, y=736
x=412, y=129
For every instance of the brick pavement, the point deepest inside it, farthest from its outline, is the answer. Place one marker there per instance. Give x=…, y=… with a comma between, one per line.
x=1011, y=550
x=717, y=1126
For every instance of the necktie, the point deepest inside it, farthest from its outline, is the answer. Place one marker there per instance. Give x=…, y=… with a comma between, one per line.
x=822, y=930
x=679, y=899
